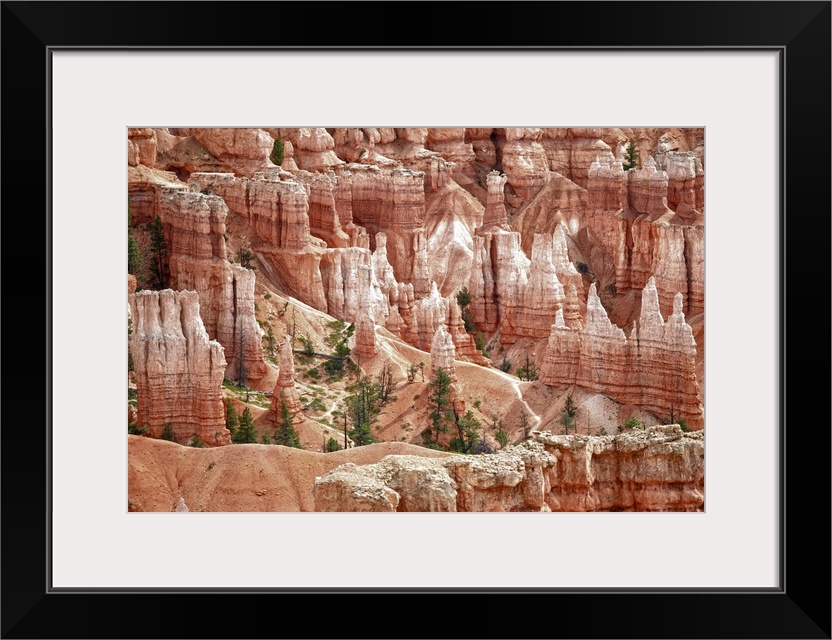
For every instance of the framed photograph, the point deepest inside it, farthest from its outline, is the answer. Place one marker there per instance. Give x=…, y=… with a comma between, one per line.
x=754, y=76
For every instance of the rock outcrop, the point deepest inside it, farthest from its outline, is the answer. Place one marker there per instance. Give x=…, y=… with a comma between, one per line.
x=658, y=469
x=442, y=353
x=654, y=369
x=365, y=338
x=194, y=225
x=524, y=163
x=141, y=147
x=313, y=148
x=541, y=295
x=284, y=389
x=428, y=315
x=246, y=151
x=178, y=370
x=495, y=207
x=647, y=190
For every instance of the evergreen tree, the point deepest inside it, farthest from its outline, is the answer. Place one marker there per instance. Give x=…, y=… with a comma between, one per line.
x=332, y=445
x=630, y=156
x=158, y=252
x=285, y=432
x=567, y=415
x=246, y=433
x=167, y=433
x=363, y=409
x=278, y=150
x=463, y=299
x=528, y=372
x=135, y=261
x=524, y=424
x=468, y=433
x=442, y=416
x=232, y=418
x=502, y=438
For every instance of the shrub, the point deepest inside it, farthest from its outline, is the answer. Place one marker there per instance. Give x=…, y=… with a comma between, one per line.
x=334, y=366
x=463, y=297
x=479, y=341
x=502, y=438
x=278, y=149
x=197, y=442
x=633, y=423
x=167, y=432
x=308, y=347
x=482, y=447
x=332, y=445
x=583, y=267
x=567, y=415
x=314, y=373
x=684, y=424
x=136, y=430
x=505, y=365
x=244, y=257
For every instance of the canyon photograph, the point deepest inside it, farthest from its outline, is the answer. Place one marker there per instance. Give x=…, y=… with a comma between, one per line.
x=415, y=319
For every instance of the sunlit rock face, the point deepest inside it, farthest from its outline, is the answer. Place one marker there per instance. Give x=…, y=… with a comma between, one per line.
x=442, y=353
x=141, y=147
x=365, y=338
x=246, y=151
x=178, y=370
x=555, y=241
x=284, y=389
x=654, y=368
x=194, y=227
x=657, y=469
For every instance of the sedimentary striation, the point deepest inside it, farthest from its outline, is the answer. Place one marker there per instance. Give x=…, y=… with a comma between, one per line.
x=560, y=247
x=178, y=369
x=657, y=469
x=654, y=367
x=284, y=389
x=194, y=226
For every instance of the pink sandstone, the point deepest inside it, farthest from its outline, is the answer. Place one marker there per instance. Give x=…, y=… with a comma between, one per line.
x=442, y=353
x=659, y=469
x=178, y=370
x=284, y=389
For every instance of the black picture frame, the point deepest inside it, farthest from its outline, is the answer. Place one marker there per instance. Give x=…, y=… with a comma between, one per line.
x=800, y=608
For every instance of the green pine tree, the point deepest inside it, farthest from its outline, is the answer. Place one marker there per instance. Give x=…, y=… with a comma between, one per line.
x=278, y=150
x=363, y=409
x=285, y=432
x=232, y=418
x=468, y=434
x=158, y=252
x=167, y=433
x=246, y=433
x=442, y=416
x=135, y=261
x=567, y=415
x=630, y=156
